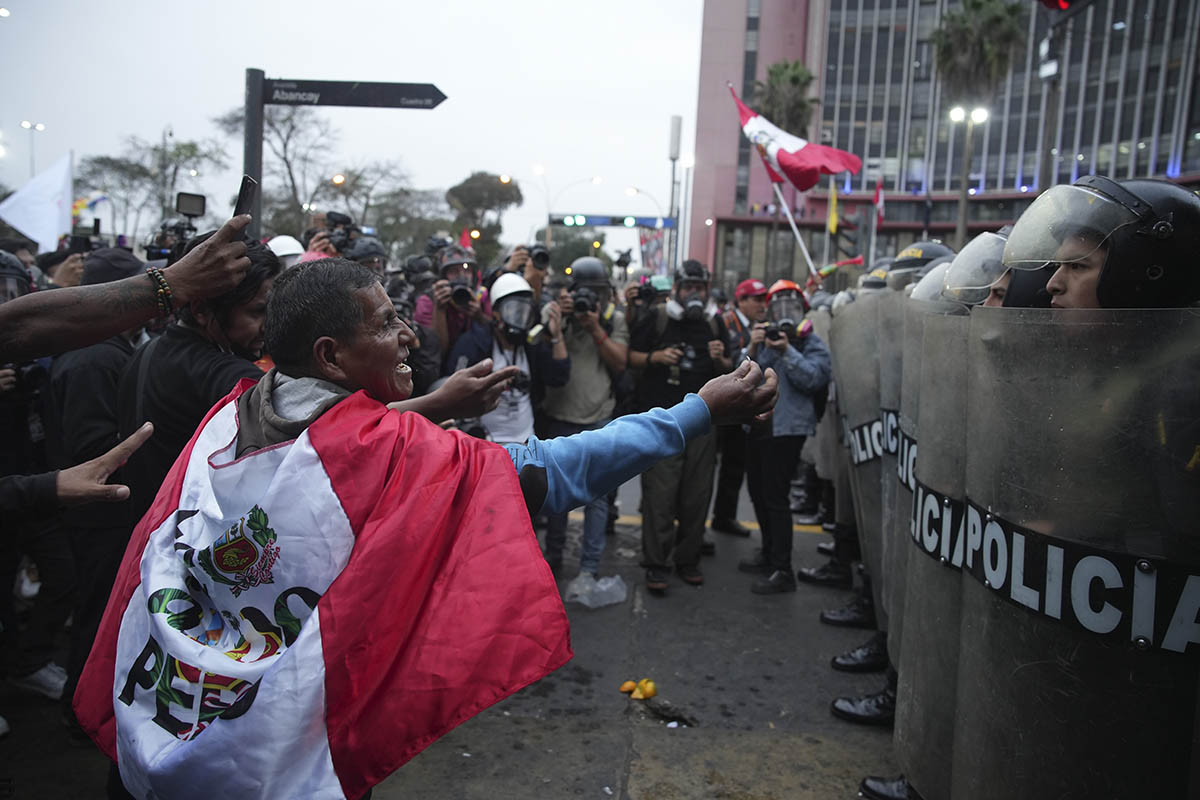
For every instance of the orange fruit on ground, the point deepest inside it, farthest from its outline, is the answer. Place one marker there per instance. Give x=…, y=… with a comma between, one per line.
x=637, y=694
x=628, y=686
x=647, y=687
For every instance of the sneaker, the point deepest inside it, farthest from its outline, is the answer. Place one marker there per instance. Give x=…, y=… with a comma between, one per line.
x=690, y=575
x=755, y=564
x=807, y=518
x=777, y=582
x=47, y=682
x=656, y=580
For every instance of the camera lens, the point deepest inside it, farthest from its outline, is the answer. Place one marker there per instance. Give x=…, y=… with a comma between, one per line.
x=461, y=294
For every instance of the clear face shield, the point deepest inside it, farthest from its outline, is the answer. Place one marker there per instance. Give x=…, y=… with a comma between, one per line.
x=516, y=312
x=1066, y=224
x=973, y=271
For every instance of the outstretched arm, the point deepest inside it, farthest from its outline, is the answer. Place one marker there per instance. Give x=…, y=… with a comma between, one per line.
x=564, y=473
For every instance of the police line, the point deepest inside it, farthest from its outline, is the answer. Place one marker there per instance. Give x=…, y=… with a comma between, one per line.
x=1148, y=602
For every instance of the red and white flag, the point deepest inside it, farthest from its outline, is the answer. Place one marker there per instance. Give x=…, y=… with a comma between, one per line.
x=878, y=201
x=785, y=155
x=301, y=621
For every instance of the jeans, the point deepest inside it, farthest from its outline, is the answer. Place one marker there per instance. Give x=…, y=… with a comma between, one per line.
x=595, y=513
x=770, y=465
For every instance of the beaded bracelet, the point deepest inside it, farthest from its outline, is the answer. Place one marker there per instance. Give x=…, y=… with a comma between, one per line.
x=162, y=292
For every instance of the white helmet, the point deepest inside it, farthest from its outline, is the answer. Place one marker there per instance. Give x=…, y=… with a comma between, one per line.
x=506, y=284
x=287, y=248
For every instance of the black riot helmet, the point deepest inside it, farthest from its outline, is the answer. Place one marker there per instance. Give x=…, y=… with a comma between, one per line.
x=1147, y=232
x=588, y=271
x=692, y=270
x=906, y=266
x=370, y=252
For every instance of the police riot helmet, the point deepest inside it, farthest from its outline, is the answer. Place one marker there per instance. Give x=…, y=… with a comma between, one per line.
x=1144, y=234
x=929, y=287
x=14, y=278
x=512, y=302
x=906, y=266
x=976, y=268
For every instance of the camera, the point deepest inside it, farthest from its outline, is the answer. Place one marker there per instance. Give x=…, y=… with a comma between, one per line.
x=781, y=329
x=339, y=226
x=521, y=383
x=460, y=293
x=540, y=256
x=585, y=300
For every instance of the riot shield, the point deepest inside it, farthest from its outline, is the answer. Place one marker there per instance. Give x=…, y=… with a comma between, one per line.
x=1080, y=555
x=926, y=694
x=893, y=550
x=855, y=350
x=825, y=444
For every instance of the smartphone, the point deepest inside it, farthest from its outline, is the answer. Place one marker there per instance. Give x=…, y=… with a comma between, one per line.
x=245, y=198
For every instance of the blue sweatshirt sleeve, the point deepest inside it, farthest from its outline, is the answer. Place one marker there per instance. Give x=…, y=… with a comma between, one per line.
x=584, y=466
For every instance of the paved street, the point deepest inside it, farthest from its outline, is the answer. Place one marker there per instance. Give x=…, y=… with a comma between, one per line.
x=747, y=675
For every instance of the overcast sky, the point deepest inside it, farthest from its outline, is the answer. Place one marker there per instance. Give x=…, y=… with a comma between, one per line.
x=581, y=88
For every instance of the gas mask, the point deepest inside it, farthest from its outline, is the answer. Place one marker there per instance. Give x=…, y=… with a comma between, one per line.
x=516, y=315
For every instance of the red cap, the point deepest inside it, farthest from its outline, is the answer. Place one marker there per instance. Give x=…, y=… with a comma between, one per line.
x=752, y=287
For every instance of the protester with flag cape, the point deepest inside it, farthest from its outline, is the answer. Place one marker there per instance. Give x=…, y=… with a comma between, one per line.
x=323, y=586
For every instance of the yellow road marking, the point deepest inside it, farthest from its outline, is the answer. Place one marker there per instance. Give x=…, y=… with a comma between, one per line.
x=636, y=519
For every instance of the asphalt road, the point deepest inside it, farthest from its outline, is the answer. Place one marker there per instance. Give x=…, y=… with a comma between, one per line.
x=745, y=678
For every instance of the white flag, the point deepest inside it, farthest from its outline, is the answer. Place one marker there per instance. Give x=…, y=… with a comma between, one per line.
x=41, y=209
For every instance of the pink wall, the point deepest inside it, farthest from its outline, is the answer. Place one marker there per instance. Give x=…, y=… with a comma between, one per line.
x=782, y=35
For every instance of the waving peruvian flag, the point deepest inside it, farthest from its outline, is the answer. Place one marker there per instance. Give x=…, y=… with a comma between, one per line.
x=789, y=156
x=301, y=620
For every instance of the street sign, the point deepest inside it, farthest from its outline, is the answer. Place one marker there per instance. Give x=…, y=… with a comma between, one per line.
x=261, y=92
x=351, y=93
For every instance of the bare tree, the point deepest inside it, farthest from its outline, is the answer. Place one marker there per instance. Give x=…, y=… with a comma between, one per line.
x=299, y=142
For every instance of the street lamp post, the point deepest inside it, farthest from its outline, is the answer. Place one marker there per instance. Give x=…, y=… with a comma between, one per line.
x=977, y=116
x=32, y=127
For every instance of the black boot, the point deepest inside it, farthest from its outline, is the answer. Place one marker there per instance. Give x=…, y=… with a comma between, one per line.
x=887, y=789
x=870, y=709
x=777, y=582
x=831, y=573
x=858, y=613
x=869, y=657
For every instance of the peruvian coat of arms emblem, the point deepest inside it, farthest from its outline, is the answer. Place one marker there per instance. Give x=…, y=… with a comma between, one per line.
x=242, y=557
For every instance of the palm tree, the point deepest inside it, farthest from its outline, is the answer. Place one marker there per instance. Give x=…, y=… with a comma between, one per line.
x=784, y=99
x=973, y=48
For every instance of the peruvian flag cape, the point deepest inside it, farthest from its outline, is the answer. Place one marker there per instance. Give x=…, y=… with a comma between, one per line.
x=303, y=620
x=783, y=154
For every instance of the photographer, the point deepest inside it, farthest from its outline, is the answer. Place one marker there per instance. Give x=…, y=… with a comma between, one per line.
x=679, y=347
x=751, y=308
x=597, y=344
x=530, y=262
x=505, y=341
x=370, y=252
x=456, y=300
x=787, y=344
x=330, y=241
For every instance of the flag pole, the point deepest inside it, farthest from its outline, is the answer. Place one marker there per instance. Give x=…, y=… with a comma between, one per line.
x=795, y=231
